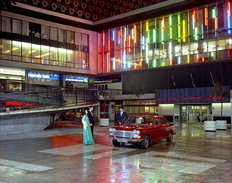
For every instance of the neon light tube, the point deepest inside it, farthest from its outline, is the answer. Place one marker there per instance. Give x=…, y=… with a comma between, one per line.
x=179, y=27
x=129, y=43
x=135, y=37
x=170, y=53
x=132, y=33
x=178, y=60
x=184, y=34
x=154, y=35
x=202, y=31
x=162, y=31
x=154, y=63
x=170, y=25
x=143, y=43
x=147, y=26
x=196, y=33
x=206, y=17
x=213, y=13
x=228, y=18
x=147, y=56
x=113, y=35
x=188, y=59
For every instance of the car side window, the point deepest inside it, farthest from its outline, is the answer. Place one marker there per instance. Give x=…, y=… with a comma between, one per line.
x=164, y=121
x=156, y=122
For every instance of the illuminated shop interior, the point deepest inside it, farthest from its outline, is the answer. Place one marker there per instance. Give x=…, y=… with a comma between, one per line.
x=40, y=44
x=201, y=34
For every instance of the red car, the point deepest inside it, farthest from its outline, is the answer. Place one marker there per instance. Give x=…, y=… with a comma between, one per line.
x=142, y=129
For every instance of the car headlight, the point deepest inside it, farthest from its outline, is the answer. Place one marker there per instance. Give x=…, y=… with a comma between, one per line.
x=136, y=131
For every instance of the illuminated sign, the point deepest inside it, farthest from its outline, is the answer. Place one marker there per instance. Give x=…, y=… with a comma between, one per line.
x=189, y=95
x=77, y=79
x=12, y=71
x=36, y=75
x=11, y=77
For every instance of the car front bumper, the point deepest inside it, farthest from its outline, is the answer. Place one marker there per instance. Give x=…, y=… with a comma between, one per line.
x=126, y=140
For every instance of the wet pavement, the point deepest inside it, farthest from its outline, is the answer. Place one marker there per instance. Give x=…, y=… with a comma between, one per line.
x=58, y=155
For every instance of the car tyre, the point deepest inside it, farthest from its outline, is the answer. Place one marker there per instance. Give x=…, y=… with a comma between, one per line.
x=145, y=142
x=170, y=137
x=116, y=143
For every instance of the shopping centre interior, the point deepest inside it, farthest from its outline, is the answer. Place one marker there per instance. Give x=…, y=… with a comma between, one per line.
x=156, y=57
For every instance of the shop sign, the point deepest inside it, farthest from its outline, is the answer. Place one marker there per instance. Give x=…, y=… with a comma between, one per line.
x=36, y=75
x=11, y=77
x=189, y=95
x=76, y=79
x=12, y=71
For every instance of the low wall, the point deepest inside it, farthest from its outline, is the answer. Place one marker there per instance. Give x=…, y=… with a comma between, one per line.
x=22, y=123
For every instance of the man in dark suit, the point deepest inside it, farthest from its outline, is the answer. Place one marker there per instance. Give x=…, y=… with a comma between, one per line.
x=91, y=119
x=121, y=115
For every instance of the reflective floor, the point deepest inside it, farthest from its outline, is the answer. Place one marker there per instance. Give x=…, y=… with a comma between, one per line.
x=57, y=155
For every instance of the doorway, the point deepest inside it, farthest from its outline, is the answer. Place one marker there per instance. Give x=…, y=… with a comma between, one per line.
x=195, y=113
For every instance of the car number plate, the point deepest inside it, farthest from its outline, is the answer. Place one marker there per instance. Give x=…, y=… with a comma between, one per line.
x=122, y=140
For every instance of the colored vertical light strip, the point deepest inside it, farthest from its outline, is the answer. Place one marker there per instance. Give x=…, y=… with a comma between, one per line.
x=147, y=26
x=162, y=31
x=194, y=19
x=135, y=37
x=154, y=63
x=114, y=63
x=125, y=33
x=154, y=36
x=202, y=31
x=113, y=35
x=184, y=33
x=179, y=27
x=196, y=33
x=179, y=60
x=124, y=60
x=214, y=13
x=228, y=18
x=119, y=37
x=170, y=26
x=143, y=43
x=206, y=17
x=132, y=34
x=170, y=53
x=129, y=43
x=188, y=59
x=147, y=51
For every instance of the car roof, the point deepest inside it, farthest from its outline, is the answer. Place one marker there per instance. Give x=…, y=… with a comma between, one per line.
x=146, y=115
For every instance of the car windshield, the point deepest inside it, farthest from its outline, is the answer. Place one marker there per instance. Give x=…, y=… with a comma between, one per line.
x=138, y=120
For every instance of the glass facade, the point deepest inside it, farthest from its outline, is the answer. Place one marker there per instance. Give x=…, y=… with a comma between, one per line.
x=202, y=34
x=35, y=43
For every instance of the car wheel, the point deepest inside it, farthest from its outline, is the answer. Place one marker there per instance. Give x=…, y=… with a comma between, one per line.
x=116, y=143
x=145, y=142
x=170, y=137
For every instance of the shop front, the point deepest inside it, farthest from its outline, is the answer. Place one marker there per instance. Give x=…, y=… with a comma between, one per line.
x=190, y=105
x=11, y=79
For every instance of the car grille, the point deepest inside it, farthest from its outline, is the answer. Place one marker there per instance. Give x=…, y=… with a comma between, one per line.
x=123, y=134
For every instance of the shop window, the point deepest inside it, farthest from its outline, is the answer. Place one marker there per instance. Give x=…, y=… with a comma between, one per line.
x=77, y=59
x=85, y=39
x=25, y=28
x=6, y=49
x=34, y=30
x=45, y=54
x=16, y=50
x=53, y=55
x=62, y=56
x=35, y=53
x=45, y=32
x=17, y=26
x=53, y=33
x=70, y=58
x=62, y=36
x=6, y=24
x=70, y=37
x=26, y=52
x=78, y=38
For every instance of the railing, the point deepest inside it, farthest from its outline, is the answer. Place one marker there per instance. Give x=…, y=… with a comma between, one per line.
x=40, y=97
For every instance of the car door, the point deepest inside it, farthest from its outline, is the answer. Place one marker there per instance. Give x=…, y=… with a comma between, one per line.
x=155, y=129
x=164, y=125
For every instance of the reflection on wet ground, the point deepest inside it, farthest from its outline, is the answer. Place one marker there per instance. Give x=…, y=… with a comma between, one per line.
x=194, y=156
